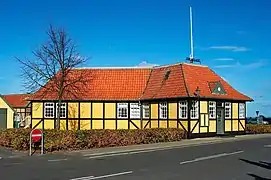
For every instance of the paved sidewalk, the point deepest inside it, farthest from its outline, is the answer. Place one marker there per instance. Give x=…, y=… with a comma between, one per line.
x=167, y=145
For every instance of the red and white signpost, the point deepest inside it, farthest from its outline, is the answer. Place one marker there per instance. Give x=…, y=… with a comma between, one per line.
x=36, y=136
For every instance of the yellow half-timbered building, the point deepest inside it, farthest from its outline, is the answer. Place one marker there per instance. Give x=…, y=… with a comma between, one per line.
x=187, y=96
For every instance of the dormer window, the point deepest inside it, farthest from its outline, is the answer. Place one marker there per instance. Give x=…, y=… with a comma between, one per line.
x=216, y=88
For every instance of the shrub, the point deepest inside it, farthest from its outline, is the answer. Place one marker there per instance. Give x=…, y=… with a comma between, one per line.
x=258, y=128
x=57, y=140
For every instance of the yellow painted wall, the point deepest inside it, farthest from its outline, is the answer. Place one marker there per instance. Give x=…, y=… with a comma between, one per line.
x=110, y=110
x=136, y=122
x=172, y=110
x=162, y=124
x=85, y=110
x=73, y=124
x=243, y=122
x=145, y=122
x=37, y=110
x=203, y=129
x=173, y=124
x=10, y=113
x=36, y=121
x=85, y=124
x=73, y=110
x=110, y=124
x=122, y=124
x=235, y=125
x=97, y=124
x=49, y=124
x=203, y=107
x=154, y=123
x=206, y=119
x=185, y=125
x=63, y=124
x=97, y=111
x=192, y=124
x=154, y=111
x=227, y=125
x=234, y=110
x=212, y=126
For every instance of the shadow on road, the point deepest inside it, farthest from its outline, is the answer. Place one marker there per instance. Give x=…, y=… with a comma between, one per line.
x=261, y=164
x=257, y=177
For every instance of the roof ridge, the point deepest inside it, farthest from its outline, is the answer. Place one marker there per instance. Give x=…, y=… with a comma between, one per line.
x=131, y=67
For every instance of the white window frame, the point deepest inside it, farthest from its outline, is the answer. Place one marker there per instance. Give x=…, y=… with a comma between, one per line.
x=194, y=112
x=228, y=109
x=212, y=109
x=163, y=111
x=63, y=106
x=51, y=107
x=134, y=110
x=146, y=110
x=122, y=106
x=242, y=113
x=183, y=109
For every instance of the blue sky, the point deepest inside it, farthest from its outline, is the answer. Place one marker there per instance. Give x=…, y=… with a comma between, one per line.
x=232, y=37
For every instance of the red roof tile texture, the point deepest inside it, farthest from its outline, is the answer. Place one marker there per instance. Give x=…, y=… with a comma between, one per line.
x=147, y=83
x=16, y=100
x=200, y=76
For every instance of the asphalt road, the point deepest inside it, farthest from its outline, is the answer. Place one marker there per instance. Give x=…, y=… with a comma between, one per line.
x=240, y=160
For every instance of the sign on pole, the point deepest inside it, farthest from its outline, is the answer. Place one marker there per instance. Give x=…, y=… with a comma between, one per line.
x=36, y=136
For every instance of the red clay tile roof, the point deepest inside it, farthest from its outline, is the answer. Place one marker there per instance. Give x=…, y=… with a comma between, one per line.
x=16, y=100
x=200, y=76
x=108, y=84
x=148, y=83
x=159, y=87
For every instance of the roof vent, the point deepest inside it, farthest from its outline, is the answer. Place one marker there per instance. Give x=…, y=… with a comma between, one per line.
x=216, y=88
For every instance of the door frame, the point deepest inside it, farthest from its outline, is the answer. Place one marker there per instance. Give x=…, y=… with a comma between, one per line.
x=222, y=109
x=6, y=120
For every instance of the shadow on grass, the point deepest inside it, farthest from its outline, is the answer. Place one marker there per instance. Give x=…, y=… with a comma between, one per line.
x=261, y=164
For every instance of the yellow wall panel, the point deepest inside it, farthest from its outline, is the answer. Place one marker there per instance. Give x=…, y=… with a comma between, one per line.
x=162, y=124
x=49, y=124
x=110, y=124
x=73, y=124
x=172, y=110
x=185, y=125
x=97, y=124
x=203, y=130
x=145, y=122
x=192, y=124
x=36, y=121
x=234, y=110
x=227, y=125
x=85, y=110
x=154, y=111
x=173, y=124
x=85, y=124
x=136, y=122
x=242, y=122
x=235, y=125
x=97, y=110
x=122, y=124
x=10, y=113
x=154, y=123
x=63, y=124
x=37, y=110
x=73, y=110
x=212, y=126
x=203, y=107
x=110, y=110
